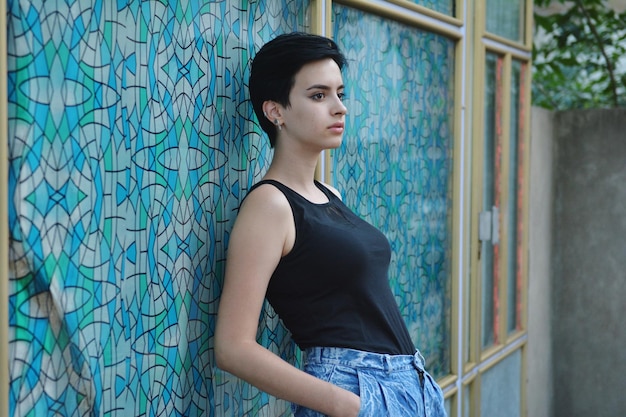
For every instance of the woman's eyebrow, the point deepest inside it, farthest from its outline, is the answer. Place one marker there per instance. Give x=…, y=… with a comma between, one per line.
x=322, y=87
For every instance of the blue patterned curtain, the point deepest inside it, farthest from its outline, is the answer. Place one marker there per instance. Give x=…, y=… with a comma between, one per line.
x=395, y=165
x=131, y=145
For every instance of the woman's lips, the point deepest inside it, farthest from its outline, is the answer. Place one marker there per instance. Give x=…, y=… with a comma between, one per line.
x=337, y=127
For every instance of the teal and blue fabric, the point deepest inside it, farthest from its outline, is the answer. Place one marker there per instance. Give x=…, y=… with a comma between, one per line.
x=132, y=143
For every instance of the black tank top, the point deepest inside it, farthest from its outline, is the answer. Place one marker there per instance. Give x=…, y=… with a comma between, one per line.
x=332, y=288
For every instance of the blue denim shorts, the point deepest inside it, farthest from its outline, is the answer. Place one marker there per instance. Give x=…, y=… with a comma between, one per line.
x=388, y=385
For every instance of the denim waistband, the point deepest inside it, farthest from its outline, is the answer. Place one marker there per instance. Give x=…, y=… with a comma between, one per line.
x=361, y=359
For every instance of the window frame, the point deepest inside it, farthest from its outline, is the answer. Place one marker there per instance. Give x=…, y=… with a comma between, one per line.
x=478, y=360
x=4, y=216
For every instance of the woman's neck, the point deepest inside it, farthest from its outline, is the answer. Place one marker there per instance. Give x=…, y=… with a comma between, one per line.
x=295, y=170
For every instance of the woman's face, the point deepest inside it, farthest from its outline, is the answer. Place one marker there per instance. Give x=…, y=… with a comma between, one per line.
x=315, y=116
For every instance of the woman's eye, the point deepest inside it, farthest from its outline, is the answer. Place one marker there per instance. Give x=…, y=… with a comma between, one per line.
x=318, y=96
x=342, y=96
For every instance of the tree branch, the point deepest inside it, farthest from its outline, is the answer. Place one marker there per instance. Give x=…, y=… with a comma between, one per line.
x=600, y=43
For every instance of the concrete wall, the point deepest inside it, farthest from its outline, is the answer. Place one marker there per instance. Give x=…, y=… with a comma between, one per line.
x=539, y=374
x=589, y=264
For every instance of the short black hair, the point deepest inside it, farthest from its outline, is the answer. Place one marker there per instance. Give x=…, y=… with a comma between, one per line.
x=275, y=66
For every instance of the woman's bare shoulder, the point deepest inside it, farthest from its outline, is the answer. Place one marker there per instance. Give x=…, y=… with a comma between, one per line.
x=267, y=200
x=264, y=225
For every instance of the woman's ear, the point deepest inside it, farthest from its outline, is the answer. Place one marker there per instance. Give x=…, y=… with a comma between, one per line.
x=272, y=111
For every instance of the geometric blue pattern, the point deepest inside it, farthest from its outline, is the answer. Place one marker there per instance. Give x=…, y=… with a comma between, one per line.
x=132, y=143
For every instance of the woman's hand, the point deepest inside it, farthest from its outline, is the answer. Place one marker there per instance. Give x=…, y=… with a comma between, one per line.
x=349, y=406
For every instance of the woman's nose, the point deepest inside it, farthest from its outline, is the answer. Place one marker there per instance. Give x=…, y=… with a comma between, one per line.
x=341, y=108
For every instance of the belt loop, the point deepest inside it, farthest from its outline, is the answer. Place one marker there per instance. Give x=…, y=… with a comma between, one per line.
x=418, y=360
x=319, y=354
x=314, y=355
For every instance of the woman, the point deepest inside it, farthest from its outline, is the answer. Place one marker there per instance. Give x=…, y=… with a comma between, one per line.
x=323, y=269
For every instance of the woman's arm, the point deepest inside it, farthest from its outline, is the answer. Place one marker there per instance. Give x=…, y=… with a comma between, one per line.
x=263, y=232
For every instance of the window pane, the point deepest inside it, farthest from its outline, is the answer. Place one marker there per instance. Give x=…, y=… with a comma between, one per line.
x=395, y=165
x=515, y=200
x=506, y=18
x=467, y=400
x=501, y=388
x=448, y=404
x=491, y=198
x=441, y=6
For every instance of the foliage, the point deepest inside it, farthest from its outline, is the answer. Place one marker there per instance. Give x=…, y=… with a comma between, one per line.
x=579, y=56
